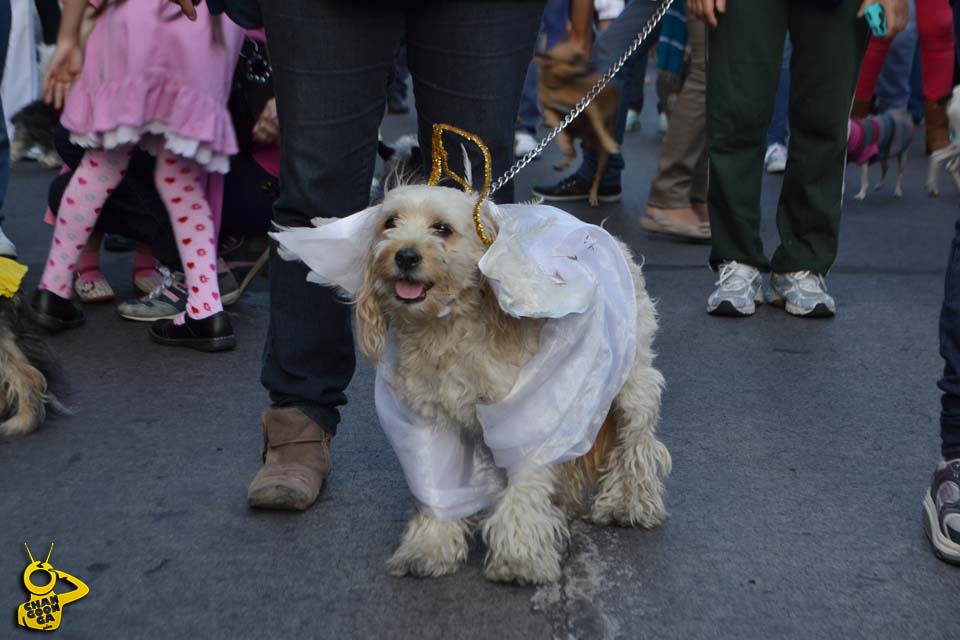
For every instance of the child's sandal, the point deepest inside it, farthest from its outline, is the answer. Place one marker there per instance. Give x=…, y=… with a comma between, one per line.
x=92, y=287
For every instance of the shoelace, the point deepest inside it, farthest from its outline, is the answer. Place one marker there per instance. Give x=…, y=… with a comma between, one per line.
x=727, y=273
x=803, y=281
x=167, y=281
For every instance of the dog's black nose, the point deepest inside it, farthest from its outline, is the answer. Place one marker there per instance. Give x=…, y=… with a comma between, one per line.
x=408, y=259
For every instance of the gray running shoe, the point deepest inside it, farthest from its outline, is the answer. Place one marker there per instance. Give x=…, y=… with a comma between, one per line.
x=739, y=289
x=802, y=293
x=167, y=300
x=941, y=508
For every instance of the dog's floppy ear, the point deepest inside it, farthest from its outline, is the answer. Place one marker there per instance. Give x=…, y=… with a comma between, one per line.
x=370, y=322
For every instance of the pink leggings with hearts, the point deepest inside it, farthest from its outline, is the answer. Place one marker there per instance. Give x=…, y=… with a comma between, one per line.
x=180, y=183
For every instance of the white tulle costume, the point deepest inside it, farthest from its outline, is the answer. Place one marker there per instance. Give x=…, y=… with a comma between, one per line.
x=544, y=263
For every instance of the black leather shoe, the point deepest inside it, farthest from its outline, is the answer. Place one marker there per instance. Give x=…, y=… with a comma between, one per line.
x=397, y=104
x=54, y=313
x=212, y=333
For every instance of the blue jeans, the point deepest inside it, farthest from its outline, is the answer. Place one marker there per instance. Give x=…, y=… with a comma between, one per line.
x=331, y=63
x=950, y=350
x=892, y=91
x=4, y=141
x=610, y=44
x=554, y=28
x=778, y=130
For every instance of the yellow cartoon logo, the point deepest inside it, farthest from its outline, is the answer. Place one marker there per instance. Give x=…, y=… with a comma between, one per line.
x=44, y=609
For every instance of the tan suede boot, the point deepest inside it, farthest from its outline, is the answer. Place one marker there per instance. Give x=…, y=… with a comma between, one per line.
x=860, y=110
x=296, y=459
x=936, y=125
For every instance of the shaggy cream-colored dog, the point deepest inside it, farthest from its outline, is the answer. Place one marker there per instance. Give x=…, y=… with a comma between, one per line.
x=454, y=349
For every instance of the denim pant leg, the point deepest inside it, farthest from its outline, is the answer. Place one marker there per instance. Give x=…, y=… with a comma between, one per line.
x=893, y=85
x=468, y=64
x=553, y=29
x=950, y=350
x=4, y=140
x=331, y=65
x=528, y=115
x=777, y=132
x=610, y=44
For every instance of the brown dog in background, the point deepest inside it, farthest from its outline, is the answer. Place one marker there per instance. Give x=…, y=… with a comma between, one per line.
x=565, y=77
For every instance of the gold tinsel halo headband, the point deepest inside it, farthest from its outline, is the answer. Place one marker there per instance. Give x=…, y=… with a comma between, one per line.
x=441, y=167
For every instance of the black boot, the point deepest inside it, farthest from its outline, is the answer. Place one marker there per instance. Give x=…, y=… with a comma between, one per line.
x=213, y=333
x=54, y=313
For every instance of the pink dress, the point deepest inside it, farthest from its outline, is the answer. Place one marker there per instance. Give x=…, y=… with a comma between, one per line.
x=152, y=77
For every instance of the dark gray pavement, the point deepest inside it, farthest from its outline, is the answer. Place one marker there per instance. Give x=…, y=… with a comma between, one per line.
x=801, y=450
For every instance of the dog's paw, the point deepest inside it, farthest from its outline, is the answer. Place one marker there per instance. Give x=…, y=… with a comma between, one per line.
x=639, y=507
x=420, y=564
x=860, y=197
x=430, y=548
x=524, y=566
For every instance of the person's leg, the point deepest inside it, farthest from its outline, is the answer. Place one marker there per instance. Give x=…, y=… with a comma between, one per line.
x=476, y=84
x=745, y=53
x=935, y=27
x=893, y=86
x=331, y=64
x=942, y=502
x=777, y=132
x=873, y=61
x=97, y=175
x=609, y=46
x=179, y=182
x=915, y=103
x=528, y=115
x=827, y=49
x=7, y=248
x=683, y=152
x=397, y=91
x=950, y=351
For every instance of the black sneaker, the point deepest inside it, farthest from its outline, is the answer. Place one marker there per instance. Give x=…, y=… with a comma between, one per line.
x=576, y=187
x=54, y=313
x=941, y=508
x=212, y=333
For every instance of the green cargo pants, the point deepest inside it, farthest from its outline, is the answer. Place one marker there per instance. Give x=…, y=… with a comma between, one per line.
x=744, y=57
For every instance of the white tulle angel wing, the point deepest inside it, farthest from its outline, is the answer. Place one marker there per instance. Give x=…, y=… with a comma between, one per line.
x=334, y=249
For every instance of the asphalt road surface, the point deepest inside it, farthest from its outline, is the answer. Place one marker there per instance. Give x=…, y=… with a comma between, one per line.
x=801, y=451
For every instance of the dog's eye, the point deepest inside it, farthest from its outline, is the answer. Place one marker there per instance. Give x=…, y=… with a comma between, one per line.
x=390, y=223
x=442, y=230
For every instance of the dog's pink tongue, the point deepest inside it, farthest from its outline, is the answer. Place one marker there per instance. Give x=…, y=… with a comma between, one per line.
x=409, y=290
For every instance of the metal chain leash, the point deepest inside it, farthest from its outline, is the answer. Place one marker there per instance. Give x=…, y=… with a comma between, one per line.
x=586, y=100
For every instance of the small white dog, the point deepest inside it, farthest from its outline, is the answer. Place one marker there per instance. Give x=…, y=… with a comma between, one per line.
x=454, y=349
x=950, y=154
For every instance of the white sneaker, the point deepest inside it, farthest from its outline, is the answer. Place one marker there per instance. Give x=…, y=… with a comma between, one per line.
x=775, y=160
x=663, y=122
x=739, y=289
x=802, y=293
x=633, y=120
x=523, y=143
x=7, y=248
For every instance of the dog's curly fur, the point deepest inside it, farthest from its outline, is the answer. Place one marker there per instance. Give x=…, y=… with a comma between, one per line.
x=33, y=126
x=455, y=349
x=29, y=371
